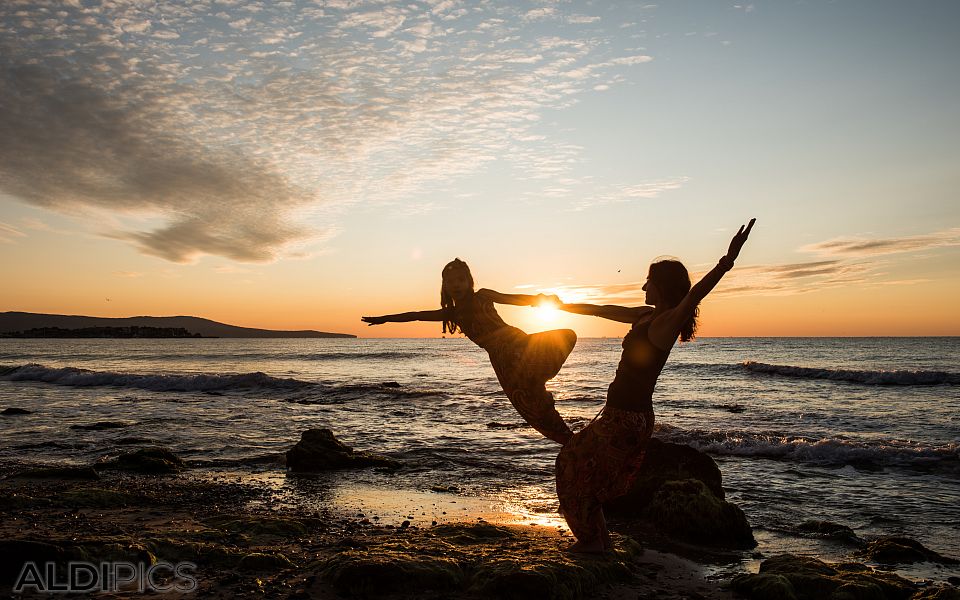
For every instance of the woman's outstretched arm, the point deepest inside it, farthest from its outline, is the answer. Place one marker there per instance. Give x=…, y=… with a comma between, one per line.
x=682, y=312
x=621, y=314
x=518, y=299
x=418, y=315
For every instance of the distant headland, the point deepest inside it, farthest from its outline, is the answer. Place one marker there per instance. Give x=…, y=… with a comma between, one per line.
x=24, y=324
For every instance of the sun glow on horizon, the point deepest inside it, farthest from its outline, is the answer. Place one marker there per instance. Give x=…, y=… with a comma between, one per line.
x=547, y=311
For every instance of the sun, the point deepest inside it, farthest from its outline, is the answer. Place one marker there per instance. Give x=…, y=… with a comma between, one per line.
x=547, y=311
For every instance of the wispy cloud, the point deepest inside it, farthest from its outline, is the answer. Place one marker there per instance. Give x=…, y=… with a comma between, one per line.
x=858, y=246
x=852, y=261
x=9, y=233
x=226, y=122
x=628, y=193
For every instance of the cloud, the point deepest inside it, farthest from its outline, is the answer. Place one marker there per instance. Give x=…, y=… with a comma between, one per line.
x=855, y=246
x=9, y=233
x=230, y=126
x=750, y=280
x=628, y=193
x=68, y=146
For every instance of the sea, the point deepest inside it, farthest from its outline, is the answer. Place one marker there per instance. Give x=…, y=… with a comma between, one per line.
x=863, y=432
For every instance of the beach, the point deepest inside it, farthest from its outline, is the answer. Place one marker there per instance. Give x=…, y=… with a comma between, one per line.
x=803, y=431
x=244, y=547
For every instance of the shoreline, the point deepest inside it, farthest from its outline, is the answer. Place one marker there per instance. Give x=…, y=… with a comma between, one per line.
x=244, y=547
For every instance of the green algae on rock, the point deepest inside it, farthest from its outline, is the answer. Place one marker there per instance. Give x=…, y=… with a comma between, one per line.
x=261, y=561
x=679, y=492
x=690, y=511
x=792, y=577
x=477, y=560
x=256, y=525
x=58, y=472
x=150, y=461
x=900, y=550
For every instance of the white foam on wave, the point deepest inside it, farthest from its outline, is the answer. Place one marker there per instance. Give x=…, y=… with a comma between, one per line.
x=201, y=382
x=825, y=451
x=869, y=377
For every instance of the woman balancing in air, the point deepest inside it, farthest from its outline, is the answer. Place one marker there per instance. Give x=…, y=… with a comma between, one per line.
x=601, y=461
x=523, y=363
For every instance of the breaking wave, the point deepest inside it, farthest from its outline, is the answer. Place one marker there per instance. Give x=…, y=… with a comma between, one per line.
x=832, y=452
x=868, y=377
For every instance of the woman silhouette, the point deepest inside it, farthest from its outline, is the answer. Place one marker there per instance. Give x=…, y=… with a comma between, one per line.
x=601, y=461
x=523, y=363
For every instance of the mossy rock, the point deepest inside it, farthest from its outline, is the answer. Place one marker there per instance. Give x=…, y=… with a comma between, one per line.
x=15, y=553
x=795, y=577
x=941, y=592
x=177, y=550
x=764, y=586
x=690, y=511
x=17, y=501
x=900, y=550
x=259, y=562
x=258, y=526
x=476, y=533
x=119, y=552
x=82, y=473
x=150, y=461
x=828, y=530
x=383, y=572
x=551, y=577
x=96, y=498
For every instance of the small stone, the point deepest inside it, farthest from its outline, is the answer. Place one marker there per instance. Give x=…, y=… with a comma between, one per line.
x=13, y=410
x=405, y=524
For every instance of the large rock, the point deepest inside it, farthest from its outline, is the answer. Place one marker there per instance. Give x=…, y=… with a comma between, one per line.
x=154, y=461
x=689, y=511
x=900, y=550
x=319, y=450
x=58, y=472
x=15, y=553
x=679, y=492
x=791, y=577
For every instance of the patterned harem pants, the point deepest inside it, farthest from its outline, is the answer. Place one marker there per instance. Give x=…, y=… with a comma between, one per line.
x=600, y=463
x=523, y=364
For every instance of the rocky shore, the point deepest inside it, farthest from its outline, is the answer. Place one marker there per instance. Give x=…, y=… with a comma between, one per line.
x=145, y=506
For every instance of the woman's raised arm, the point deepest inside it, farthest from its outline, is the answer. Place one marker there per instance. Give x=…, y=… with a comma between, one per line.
x=682, y=312
x=419, y=315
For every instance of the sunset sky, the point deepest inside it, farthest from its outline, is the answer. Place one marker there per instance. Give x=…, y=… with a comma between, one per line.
x=298, y=164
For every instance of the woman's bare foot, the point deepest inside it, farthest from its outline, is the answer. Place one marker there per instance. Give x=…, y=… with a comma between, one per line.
x=596, y=547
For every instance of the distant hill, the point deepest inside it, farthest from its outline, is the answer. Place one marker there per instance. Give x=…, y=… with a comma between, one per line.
x=23, y=321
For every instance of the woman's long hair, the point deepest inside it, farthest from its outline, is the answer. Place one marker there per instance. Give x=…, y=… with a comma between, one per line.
x=673, y=284
x=447, y=304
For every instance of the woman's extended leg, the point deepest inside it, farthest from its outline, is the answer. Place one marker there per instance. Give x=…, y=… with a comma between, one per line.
x=523, y=365
x=545, y=352
x=536, y=406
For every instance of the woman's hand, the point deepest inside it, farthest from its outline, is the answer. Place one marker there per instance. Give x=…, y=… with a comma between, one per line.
x=549, y=300
x=373, y=320
x=739, y=240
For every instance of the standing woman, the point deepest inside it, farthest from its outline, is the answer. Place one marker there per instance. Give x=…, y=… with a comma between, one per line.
x=601, y=461
x=523, y=363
